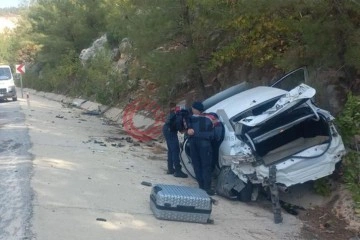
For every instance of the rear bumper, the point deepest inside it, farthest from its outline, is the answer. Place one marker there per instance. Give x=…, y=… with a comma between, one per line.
x=311, y=164
x=306, y=168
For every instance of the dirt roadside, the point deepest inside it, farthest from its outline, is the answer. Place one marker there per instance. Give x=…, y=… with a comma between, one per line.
x=336, y=219
x=87, y=184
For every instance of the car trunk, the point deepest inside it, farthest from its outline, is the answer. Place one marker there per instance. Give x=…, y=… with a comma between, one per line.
x=287, y=134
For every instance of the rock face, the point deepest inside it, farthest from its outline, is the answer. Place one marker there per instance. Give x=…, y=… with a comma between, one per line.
x=120, y=55
x=124, y=55
x=90, y=52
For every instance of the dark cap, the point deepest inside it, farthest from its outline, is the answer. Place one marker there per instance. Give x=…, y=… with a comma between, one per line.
x=198, y=106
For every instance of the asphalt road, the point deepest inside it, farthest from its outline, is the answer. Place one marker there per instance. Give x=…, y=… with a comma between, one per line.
x=68, y=175
x=15, y=173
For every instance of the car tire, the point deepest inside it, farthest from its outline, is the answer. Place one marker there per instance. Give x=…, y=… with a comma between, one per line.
x=225, y=178
x=14, y=99
x=245, y=193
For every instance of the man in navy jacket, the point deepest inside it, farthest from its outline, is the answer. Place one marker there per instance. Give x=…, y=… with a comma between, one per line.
x=201, y=133
x=172, y=141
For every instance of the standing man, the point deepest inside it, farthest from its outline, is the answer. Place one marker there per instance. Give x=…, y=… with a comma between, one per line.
x=219, y=133
x=200, y=135
x=172, y=141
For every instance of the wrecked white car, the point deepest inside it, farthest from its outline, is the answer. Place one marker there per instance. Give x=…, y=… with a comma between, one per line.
x=274, y=136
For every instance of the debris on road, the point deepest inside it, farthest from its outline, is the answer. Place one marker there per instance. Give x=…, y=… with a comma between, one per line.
x=149, y=184
x=92, y=113
x=101, y=219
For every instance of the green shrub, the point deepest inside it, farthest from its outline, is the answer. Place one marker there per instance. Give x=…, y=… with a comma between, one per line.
x=100, y=81
x=348, y=123
x=351, y=163
x=322, y=186
x=349, y=119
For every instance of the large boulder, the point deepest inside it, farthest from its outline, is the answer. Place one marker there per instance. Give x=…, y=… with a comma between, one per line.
x=88, y=53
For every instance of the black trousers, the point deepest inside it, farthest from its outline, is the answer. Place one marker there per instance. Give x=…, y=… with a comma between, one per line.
x=201, y=157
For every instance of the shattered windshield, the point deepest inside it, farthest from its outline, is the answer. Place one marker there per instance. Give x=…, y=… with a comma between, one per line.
x=5, y=74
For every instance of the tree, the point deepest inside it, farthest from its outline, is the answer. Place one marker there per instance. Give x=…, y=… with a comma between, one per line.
x=185, y=42
x=164, y=50
x=64, y=26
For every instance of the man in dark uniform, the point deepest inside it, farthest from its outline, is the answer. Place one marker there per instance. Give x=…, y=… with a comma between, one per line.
x=219, y=133
x=172, y=142
x=200, y=135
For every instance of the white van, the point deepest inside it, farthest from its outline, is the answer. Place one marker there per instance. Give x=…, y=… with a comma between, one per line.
x=7, y=85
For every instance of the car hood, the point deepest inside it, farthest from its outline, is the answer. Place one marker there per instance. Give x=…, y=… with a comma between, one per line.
x=6, y=83
x=290, y=100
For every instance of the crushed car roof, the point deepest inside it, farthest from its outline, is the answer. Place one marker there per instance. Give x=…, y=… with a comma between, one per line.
x=297, y=95
x=245, y=100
